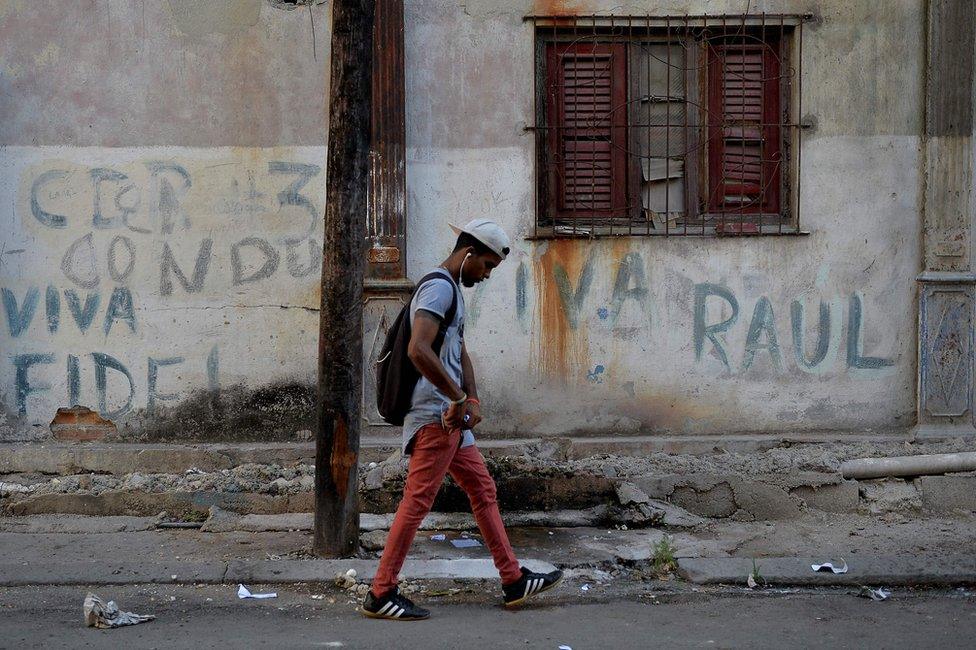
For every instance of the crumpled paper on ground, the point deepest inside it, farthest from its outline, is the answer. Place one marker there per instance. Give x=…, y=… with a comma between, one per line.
x=104, y=615
x=244, y=592
x=878, y=594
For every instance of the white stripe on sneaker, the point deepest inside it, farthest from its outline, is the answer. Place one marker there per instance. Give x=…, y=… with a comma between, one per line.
x=400, y=611
x=385, y=607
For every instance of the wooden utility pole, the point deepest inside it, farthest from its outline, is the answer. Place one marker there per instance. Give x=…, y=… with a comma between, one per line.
x=339, y=417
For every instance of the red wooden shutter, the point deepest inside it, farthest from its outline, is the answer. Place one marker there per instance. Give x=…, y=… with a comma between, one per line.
x=743, y=129
x=587, y=136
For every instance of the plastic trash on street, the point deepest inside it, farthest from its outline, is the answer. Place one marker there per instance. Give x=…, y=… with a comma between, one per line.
x=465, y=542
x=104, y=615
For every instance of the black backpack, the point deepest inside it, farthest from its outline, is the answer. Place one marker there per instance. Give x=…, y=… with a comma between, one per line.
x=396, y=376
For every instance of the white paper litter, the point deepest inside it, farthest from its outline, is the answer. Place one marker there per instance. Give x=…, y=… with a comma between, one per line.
x=878, y=594
x=565, y=647
x=244, y=592
x=830, y=566
x=440, y=537
x=465, y=543
x=751, y=582
x=585, y=588
x=107, y=615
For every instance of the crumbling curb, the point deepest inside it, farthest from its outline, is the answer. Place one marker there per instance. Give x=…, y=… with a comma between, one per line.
x=795, y=571
x=260, y=572
x=221, y=521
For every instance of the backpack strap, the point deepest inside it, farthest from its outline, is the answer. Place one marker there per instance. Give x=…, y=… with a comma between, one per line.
x=451, y=312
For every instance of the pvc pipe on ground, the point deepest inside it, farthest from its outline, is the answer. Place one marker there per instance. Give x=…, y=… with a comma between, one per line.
x=909, y=465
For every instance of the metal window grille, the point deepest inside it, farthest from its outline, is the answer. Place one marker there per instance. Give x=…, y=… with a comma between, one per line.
x=670, y=125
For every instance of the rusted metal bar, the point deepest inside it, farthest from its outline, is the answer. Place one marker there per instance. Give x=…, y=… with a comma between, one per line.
x=667, y=128
x=338, y=422
x=762, y=85
x=633, y=109
x=798, y=66
x=647, y=132
x=661, y=20
x=702, y=143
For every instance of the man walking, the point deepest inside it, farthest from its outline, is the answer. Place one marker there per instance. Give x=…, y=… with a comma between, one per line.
x=437, y=430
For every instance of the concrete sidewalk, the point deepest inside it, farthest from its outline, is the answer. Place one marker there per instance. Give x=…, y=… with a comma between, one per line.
x=71, y=549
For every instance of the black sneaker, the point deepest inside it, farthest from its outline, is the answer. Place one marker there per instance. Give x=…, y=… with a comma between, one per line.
x=392, y=606
x=529, y=584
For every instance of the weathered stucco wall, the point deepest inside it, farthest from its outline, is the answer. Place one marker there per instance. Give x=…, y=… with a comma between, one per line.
x=162, y=167
x=162, y=177
x=617, y=335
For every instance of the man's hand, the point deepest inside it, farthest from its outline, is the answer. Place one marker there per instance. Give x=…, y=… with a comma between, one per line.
x=453, y=418
x=474, y=413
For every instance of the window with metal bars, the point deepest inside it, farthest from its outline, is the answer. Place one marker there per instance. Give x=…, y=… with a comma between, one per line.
x=668, y=126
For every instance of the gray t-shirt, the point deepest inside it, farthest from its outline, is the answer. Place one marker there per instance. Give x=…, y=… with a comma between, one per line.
x=428, y=402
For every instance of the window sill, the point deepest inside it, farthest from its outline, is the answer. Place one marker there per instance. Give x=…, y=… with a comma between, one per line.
x=548, y=233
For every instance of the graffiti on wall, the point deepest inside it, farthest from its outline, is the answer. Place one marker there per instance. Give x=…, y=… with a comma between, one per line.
x=815, y=354
x=96, y=250
x=817, y=336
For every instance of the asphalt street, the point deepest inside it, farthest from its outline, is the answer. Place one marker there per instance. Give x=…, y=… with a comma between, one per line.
x=211, y=616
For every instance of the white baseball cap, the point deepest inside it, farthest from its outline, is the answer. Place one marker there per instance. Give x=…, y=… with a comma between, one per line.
x=488, y=233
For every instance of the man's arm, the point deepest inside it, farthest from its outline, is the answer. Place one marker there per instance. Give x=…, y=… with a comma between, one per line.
x=470, y=387
x=467, y=371
x=421, y=353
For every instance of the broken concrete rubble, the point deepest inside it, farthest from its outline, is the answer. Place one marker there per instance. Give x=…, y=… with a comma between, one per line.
x=637, y=509
x=840, y=497
x=767, y=485
x=628, y=493
x=890, y=495
x=373, y=540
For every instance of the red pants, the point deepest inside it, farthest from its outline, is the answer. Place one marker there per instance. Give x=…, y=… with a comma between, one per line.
x=435, y=453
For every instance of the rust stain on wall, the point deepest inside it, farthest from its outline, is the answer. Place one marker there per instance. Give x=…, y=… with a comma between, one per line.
x=667, y=411
x=562, y=275
x=556, y=7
